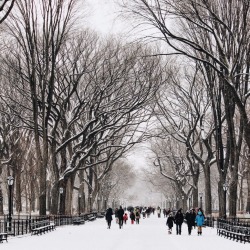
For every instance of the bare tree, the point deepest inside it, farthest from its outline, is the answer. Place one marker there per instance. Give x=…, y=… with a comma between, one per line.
x=220, y=44
x=38, y=44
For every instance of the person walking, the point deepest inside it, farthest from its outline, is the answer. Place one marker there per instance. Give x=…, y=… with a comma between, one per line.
x=179, y=218
x=170, y=223
x=159, y=212
x=116, y=216
x=164, y=212
x=125, y=218
x=108, y=217
x=132, y=217
x=200, y=218
x=190, y=218
x=120, y=214
x=137, y=216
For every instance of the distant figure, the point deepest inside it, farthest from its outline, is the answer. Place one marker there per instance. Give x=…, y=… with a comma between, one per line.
x=144, y=213
x=120, y=214
x=108, y=217
x=137, y=216
x=200, y=218
x=125, y=218
x=159, y=212
x=179, y=218
x=132, y=217
x=116, y=216
x=170, y=223
x=164, y=212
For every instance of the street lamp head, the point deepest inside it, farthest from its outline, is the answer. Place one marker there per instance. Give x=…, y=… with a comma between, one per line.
x=200, y=194
x=61, y=190
x=10, y=180
x=182, y=197
x=90, y=196
x=79, y=196
x=225, y=186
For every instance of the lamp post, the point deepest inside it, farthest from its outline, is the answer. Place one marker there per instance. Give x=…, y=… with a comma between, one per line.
x=79, y=203
x=105, y=204
x=201, y=195
x=225, y=188
x=113, y=203
x=61, y=200
x=10, y=181
x=90, y=203
x=183, y=201
x=177, y=203
x=98, y=203
x=189, y=201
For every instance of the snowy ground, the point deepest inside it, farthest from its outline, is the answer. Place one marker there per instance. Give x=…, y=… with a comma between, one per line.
x=150, y=234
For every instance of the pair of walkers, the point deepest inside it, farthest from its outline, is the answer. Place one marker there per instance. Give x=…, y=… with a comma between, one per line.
x=119, y=213
x=178, y=220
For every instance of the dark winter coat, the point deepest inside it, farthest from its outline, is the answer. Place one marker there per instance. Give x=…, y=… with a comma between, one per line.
x=132, y=216
x=120, y=213
x=179, y=218
x=170, y=221
x=190, y=218
x=109, y=214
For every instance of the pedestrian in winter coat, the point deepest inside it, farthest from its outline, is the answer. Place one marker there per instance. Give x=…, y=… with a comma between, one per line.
x=170, y=222
x=190, y=219
x=108, y=217
x=125, y=218
x=132, y=217
x=116, y=216
x=179, y=218
x=200, y=218
x=159, y=212
x=120, y=214
x=137, y=216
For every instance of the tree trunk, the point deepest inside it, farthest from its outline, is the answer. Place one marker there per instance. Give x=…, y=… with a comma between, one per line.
x=208, y=197
x=221, y=199
x=248, y=190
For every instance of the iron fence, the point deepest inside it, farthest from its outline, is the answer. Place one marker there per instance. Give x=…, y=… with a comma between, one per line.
x=21, y=225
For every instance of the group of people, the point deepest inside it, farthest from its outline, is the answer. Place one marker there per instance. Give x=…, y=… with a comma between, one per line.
x=192, y=218
x=121, y=217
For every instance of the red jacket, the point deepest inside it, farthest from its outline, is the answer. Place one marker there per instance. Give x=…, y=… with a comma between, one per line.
x=125, y=217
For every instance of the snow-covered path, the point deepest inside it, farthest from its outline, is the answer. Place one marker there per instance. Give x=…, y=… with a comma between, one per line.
x=150, y=234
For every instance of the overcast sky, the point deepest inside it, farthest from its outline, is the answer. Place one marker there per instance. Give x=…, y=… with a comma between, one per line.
x=104, y=16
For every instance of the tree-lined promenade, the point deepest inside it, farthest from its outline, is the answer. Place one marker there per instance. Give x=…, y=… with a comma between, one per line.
x=74, y=104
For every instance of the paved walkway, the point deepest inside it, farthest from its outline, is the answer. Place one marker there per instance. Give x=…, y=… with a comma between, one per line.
x=150, y=234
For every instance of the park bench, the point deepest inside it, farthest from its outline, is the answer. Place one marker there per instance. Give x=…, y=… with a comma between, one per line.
x=78, y=220
x=100, y=215
x=3, y=236
x=39, y=227
x=90, y=217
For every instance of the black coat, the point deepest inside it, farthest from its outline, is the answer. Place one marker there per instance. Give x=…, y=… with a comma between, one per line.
x=132, y=216
x=109, y=214
x=190, y=218
x=179, y=218
x=170, y=221
x=120, y=213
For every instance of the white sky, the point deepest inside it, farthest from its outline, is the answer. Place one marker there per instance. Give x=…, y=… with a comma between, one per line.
x=103, y=17
x=150, y=234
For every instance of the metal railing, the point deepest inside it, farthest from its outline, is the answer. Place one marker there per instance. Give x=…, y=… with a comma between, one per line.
x=21, y=225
